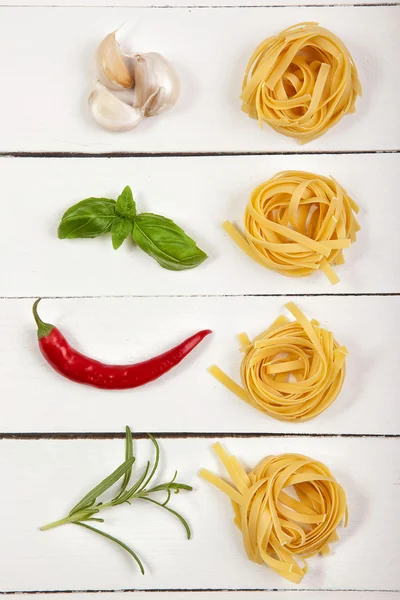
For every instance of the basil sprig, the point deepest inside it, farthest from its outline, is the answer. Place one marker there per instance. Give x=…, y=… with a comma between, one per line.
x=158, y=236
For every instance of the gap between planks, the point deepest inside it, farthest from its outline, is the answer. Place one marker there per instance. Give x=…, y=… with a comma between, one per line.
x=200, y=590
x=304, y=295
x=214, y=6
x=189, y=154
x=116, y=435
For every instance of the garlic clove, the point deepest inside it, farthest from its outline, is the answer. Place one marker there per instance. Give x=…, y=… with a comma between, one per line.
x=111, y=113
x=112, y=70
x=155, y=76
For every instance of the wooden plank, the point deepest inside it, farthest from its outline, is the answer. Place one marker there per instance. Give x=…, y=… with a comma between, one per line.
x=55, y=61
x=199, y=194
x=49, y=476
x=35, y=398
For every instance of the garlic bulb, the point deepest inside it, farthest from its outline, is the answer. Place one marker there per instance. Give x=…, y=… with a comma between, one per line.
x=112, y=70
x=153, y=73
x=111, y=113
x=142, y=85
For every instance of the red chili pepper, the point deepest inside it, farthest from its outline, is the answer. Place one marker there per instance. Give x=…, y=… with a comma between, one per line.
x=82, y=369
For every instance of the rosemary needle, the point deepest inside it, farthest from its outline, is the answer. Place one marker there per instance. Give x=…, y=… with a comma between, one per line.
x=117, y=541
x=88, y=508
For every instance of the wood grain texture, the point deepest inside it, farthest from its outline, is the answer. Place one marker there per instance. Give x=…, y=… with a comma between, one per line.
x=188, y=399
x=48, y=477
x=199, y=194
x=53, y=53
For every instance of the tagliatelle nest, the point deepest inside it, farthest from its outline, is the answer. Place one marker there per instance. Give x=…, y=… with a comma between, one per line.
x=297, y=223
x=293, y=371
x=287, y=509
x=301, y=82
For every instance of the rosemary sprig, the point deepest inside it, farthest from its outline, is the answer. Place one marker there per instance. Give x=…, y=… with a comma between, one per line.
x=88, y=508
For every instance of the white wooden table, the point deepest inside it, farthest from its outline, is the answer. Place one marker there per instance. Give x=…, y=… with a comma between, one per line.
x=197, y=164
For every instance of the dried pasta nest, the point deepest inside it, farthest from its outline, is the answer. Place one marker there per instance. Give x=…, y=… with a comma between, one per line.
x=301, y=82
x=293, y=371
x=287, y=508
x=297, y=223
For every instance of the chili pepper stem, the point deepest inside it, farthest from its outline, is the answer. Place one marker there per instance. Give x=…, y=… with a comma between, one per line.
x=44, y=329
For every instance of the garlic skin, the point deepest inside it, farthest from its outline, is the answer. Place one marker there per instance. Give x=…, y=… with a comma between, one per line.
x=154, y=76
x=111, y=113
x=111, y=68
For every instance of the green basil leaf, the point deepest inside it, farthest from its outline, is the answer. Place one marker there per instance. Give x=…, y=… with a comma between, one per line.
x=126, y=206
x=120, y=230
x=162, y=239
x=87, y=219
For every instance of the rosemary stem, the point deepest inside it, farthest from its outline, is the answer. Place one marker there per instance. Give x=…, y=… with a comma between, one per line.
x=78, y=516
x=57, y=523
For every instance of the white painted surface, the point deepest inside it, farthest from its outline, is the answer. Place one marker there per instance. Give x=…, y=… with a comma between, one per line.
x=35, y=398
x=48, y=71
x=52, y=53
x=50, y=476
x=199, y=194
